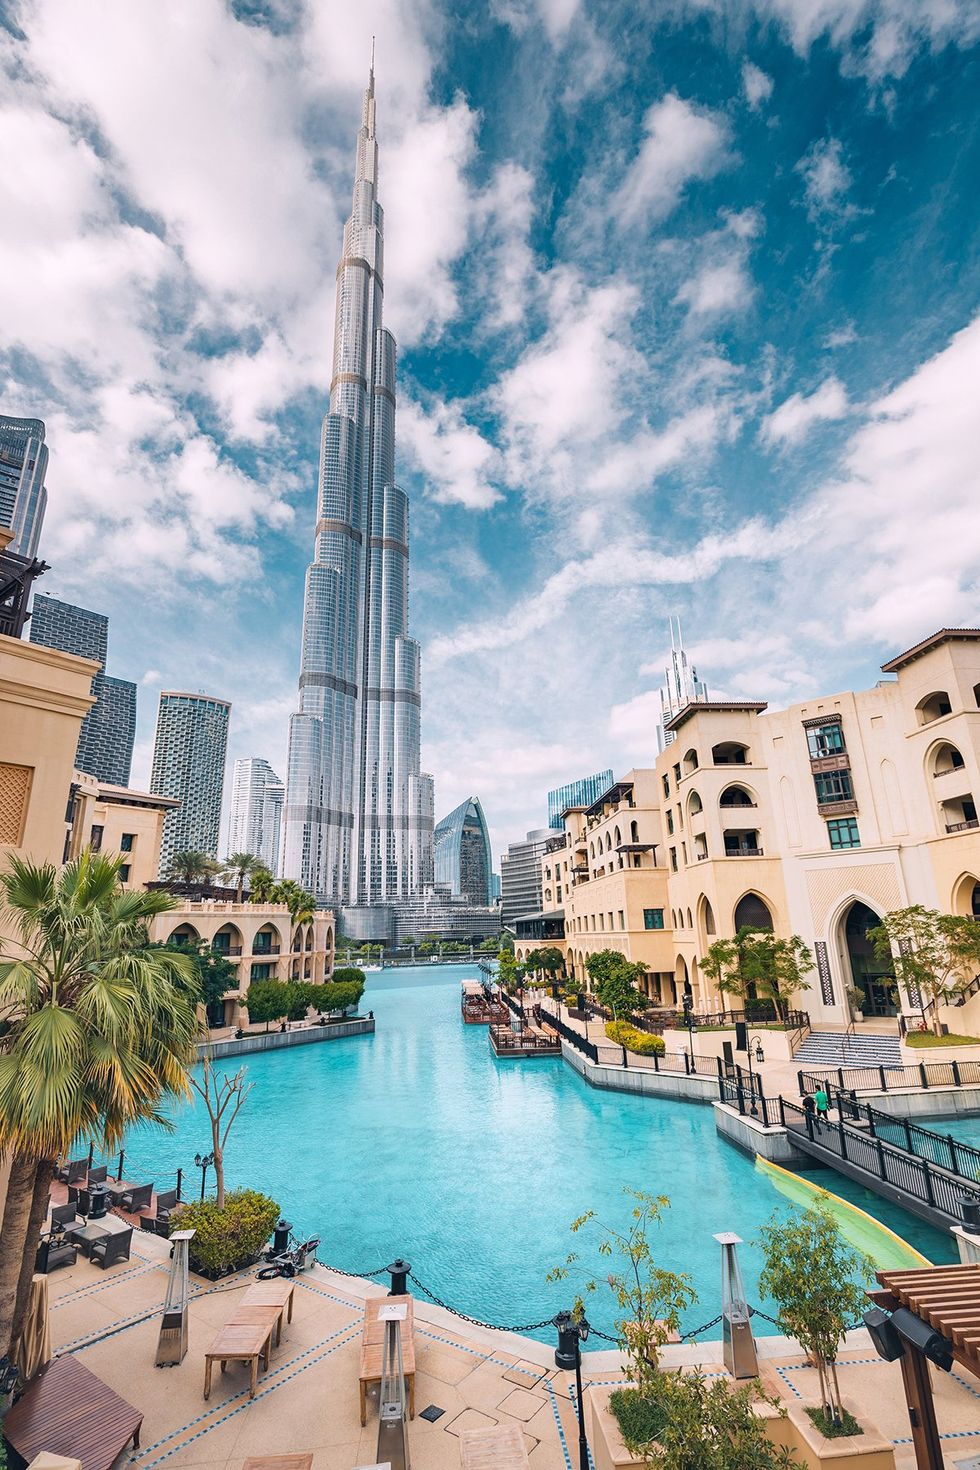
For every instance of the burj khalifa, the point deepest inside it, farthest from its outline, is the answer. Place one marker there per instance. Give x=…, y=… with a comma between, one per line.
x=358, y=819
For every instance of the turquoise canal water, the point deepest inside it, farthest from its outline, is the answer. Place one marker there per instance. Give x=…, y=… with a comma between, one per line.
x=417, y=1142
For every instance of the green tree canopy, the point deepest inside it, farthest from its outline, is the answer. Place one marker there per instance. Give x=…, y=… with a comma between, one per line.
x=614, y=980
x=191, y=866
x=268, y=1000
x=756, y=963
x=238, y=866
x=933, y=953
x=215, y=974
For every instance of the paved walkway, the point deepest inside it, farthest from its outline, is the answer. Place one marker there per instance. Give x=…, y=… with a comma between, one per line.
x=308, y=1401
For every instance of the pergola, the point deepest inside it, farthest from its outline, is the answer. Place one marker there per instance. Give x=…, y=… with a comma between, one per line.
x=945, y=1300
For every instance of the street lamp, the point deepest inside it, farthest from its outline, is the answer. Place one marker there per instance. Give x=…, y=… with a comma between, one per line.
x=204, y=1163
x=568, y=1354
x=760, y=1057
x=690, y=1022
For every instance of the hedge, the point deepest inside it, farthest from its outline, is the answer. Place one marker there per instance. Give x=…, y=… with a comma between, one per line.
x=640, y=1042
x=230, y=1238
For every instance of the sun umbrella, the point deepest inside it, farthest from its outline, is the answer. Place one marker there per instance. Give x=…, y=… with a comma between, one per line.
x=33, y=1348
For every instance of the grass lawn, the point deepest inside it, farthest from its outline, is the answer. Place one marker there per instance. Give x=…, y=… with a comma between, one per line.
x=926, y=1038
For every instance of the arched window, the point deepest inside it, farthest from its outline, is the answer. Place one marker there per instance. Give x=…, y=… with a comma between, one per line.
x=933, y=707
x=946, y=758
x=634, y=832
x=730, y=753
x=691, y=761
x=690, y=921
x=707, y=915
x=592, y=849
x=694, y=804
x=735, y=796
x=752, y=912
x=608, y=843
x=617, y=839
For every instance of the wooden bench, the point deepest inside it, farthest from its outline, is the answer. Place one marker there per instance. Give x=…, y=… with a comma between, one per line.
x=70, y=1412
x=499, y=1448
x=373, y=1346
x=279, y=1462
x=242, y=1342
x=278, y=1294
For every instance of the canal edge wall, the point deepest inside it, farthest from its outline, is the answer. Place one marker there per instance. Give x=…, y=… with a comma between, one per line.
x=237, y=1046
x=643, y=1081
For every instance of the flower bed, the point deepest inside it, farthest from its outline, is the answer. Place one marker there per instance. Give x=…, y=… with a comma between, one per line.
x=634, y=1040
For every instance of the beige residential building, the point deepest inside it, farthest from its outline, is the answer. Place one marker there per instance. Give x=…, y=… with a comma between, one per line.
x=815, y=820
x=120, y=822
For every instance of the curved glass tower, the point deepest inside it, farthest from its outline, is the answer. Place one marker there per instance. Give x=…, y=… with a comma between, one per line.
x=358, y=827
x=462, y=851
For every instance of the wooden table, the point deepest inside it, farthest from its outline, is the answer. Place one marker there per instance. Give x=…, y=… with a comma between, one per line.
x=499, y=1448
x=278, y=1294
x=279, y=1462
x=373, y=1346
x=374, y=1329
x=68, y=1411
x=241, y=1342
x=118, y=1187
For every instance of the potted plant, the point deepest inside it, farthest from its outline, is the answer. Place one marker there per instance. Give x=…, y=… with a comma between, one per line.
x=855, y=999
x=230, y=1236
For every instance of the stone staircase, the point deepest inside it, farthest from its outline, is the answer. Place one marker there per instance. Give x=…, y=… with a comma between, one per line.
x=840, y=1049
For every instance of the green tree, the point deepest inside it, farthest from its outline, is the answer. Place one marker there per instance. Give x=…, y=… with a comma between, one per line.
x=757, y=964
x=191, y=866
x=614, y=980
x=813, y=1276
x=215, y=974
x=268, y=1000
x=261, y=885
x=238, y=866
x=933, y=953
x=649, y=1298
x=99, y=1028
x=349, y=973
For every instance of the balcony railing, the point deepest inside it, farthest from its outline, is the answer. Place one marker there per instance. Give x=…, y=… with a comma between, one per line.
x=963, y=826
x=840, y=761
x=227, y=949
x=837, y=808
x=948, y=771
x=265, y=948
x=743, y=852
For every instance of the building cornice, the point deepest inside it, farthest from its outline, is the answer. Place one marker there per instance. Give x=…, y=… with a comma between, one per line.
x=936, y=640
x=716, y=706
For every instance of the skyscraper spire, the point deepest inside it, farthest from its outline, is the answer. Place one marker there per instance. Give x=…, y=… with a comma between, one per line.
x=681, y=685
x=358, y=827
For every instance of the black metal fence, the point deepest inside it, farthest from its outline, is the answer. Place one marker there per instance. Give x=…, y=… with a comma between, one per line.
x=744, y=1093
x=888, y=1079
x=939, y=1148
x=916, y=1177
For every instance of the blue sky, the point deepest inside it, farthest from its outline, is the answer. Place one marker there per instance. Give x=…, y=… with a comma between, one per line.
x=686, y=297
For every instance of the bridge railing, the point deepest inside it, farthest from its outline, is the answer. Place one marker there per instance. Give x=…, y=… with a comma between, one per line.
x=889, y=1079
x=939, y=1148
x=906, y=1172
x=744, y=1093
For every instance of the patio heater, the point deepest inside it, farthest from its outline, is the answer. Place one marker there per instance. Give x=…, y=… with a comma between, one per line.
x=739, y=1344
x=172, y=1342
x=393, y=1406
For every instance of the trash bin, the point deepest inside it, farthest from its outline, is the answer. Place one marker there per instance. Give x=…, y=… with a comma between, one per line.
x=98, y=1202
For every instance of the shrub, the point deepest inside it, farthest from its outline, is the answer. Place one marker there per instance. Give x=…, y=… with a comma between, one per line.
x=640, y=1417
x=348, y=973
x=845, y=1424
x=227, y=1239
x=640, y=1042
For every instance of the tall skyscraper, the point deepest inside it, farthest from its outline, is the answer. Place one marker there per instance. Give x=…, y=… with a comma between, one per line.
x=105, y=745
x=681, y=685
x=257, y=799
x=189, y=764
x=576, y=793
x=23, y=498
x=520, y=875
x=464, y=862
x=358, y=826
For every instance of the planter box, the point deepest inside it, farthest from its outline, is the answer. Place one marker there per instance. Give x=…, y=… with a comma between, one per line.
x=794, y=1431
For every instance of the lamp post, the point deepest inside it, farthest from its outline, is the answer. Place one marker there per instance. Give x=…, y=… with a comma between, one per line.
x=568, y=1354
x=760, y=1057
x=204, y=1163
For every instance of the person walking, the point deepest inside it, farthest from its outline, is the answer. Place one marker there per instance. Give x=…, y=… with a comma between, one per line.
x=821, y=1102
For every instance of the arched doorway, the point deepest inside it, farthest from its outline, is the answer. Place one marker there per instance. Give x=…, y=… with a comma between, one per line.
x=871, y=977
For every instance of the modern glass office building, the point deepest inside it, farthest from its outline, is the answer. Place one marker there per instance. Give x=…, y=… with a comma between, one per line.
x=105, y=744
x=257, y=798
x=23, y=498
x=520, y=875
x=189, y=764
x=358, y=825
x=464, y=863
x=576, y=793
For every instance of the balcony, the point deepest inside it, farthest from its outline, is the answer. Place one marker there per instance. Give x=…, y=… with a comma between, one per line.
x=227, y=951
x=839, y=762
x=963, y=826
x=263, y=949
x=840, y=808
x=739, y=852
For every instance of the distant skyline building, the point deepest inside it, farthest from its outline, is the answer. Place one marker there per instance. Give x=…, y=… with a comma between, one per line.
x=463, y=860
x=359, y=810
x=681, y=686
x=189, y=765
x=576, y=793
x=23, y=497
x=520, y=875
x=257, y=800
x=105, y=745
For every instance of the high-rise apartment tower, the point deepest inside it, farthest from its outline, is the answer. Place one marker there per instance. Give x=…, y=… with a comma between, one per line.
x=257, y=798
x=681, y=686
x=23, y=498
x=358, y=826
x=105, y=745
x=520, y=875
x=189, y=764
x=576, y=793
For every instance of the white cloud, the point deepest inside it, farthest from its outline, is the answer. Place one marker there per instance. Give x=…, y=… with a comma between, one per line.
x=794, y=418
x=719, y=289
x=683, y=142
x=826, y=179
x=841, y=336
x=457, y=464
x=756, y=84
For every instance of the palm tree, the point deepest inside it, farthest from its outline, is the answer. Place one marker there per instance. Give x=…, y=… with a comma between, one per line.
x=262, y=885
x=239, y=866
x=98, y=1028
x=191, y=866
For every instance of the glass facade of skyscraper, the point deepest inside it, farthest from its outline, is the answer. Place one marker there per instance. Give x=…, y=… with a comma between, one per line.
x=189, y=764
x=464, y=863
x=23, y=498
x=576, y=793
x=358, y=826
x=257, y=797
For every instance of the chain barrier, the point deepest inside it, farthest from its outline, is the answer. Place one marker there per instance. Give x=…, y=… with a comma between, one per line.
x=697, y=1331
x=758, y=1312
x=378, y=1271
x=477, y=1321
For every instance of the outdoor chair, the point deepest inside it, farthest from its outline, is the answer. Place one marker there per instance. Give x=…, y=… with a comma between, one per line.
x=155, y=1225
x=109, y=1249
x=137, y=1199
x=54, y=1251
x=78, y=1196
x=74, y=1170
x=62, y=1215
x=97, y=1176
